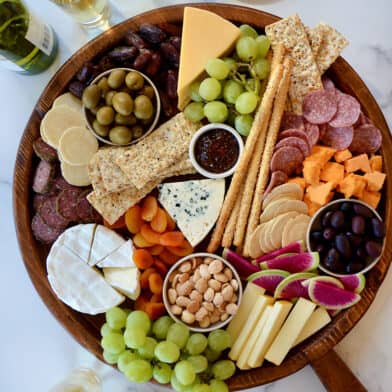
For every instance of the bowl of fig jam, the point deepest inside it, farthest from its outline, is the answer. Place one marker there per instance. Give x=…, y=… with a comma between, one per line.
x=349, y=236
x=215, y=150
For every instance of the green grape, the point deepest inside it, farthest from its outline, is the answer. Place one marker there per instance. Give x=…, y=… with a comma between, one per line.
x=211, y=355
x=217, y=68
x=105, y=329
x=162, y=372
x=194, y=92
x=177, y=386
x=261, y=67
x=243, y=124
x=125, y=358
x=138, y=370
x=178, y=334
x=246, y=102
x=216, y=111
x=198, y=362
x=219, y=386
x=194, y=111
x=202, y=388
x=113, y=343
x=219, y=340
x=167, y=352
x=147, y=350
x=116, y=318
x=209, y=89
x=231, y=63
x=223, y=369
x=139, y=319
x=248, y=31
x=263, y=45
x=135, y=337
x=184, y=372
x=196, y=344
x=161, y=326
x=110, y=358
x=232, y=91
x=246, y=48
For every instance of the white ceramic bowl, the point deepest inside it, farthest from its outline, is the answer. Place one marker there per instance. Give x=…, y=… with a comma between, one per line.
x=208, y=128
x=212, y=327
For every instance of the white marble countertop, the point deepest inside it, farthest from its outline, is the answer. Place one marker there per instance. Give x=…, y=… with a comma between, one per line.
x=36, y=351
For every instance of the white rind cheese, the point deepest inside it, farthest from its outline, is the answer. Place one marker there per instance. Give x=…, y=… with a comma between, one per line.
x=125, y=280
x=194, y=205
x=120, y=258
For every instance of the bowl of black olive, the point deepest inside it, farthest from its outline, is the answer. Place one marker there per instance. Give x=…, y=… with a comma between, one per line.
x=349, y=236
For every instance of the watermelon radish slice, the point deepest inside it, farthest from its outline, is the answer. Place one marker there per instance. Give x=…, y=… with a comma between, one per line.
x=300, y=262
x=285, y=254
x=268, y=279
x=243, y=266
x=294, y=247
x=331, y=297
x=325, y=279
x=354, y=282
x=291, y=287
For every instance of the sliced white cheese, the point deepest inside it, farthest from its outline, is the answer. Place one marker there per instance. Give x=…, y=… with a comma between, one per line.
x=194, y=205
x=69, y=100
x=125, y=280
x=121, y=257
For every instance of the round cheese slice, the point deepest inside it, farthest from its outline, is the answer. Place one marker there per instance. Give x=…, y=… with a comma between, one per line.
x=75, y=175
x=69, y=100
x=77, y=146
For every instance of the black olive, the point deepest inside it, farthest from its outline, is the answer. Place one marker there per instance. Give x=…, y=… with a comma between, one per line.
x=326, y=219
x=337, y=219
x=358, y=225
x=343, y=245
x=363, y=211
x=329, y=234
x=378, y=228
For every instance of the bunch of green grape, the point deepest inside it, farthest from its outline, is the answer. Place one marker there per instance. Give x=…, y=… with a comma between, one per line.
x=166, y=351
x=234, y=85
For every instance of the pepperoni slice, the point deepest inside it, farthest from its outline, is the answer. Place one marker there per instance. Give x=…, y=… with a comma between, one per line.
x=291, y=121
x=367, y=139
x=50, y=215
x=338, y=138
x=43, y=232
x=312, y=133
x=277, y=178
x=319, y=107
x=347, y=113
x=296, y=133
x=296, y=142
x=287, y=159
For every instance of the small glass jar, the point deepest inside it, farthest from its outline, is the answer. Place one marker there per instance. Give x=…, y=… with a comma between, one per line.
x=79, y=380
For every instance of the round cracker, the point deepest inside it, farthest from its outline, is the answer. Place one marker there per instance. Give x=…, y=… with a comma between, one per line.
x=296, y=229
x=279, y=207
x=75, y=175
x=277, y=228
x=290, y=188
x=264, y=241
x=254, y=243
x=68, y=99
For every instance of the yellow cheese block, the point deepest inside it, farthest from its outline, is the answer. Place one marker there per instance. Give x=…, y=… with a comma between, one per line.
x=251, y=293
x=272, y=326
x=204, y=35
x=254, y=316
x=318, y=319
x=290, y=331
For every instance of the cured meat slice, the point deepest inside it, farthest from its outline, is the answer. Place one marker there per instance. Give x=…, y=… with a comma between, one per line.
x=296, y=133
x=277, y=178
x=67, y=202
x=291, y=121
x=38, y=200
x=84, y=209
x=43, y=232
x=322, y=129
x=44, y=151
x=338, y=138
x=296, y=142
x=60, y=183
x=287, y=159
x=367, y=138
x=50, y=215
x=319, y=107
x=328, y=84
x=43, y=177
x=312, y=133
x=348, y=110
x=362, y=120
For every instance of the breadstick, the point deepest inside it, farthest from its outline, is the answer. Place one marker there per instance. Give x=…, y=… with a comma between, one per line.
x=229, y=202
x=272, y=135
x=228, y=235
x=278, y=55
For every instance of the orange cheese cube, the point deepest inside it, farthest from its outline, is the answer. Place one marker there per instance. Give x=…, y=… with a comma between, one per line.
x=342, y=155
x=312, y=207
x=321, y=154
x=320, y=193
x=311, y=171
x=376, y=163
x=375, y=181
x=298, y=180
x=371, y=198
x=360, y=162
x=352, y=185
x=333, y=172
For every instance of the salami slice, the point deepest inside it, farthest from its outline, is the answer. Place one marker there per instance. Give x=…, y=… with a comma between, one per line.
x=312, y=133
x=328, y=84
x=43, y=177
x=296, y=133
x=348, y=110
x=67, y=202
x=362, y=120
x=286, y=159
x=43, y=232
x=60, y=183
x=50, y=215
x=322, y=129
x=44, y=151
x=277, y=178
x=291, y=121
x=84, y=209
x=338, y=138
x=319, y=106
x=367, y=138
x=38, y=200
x=296, y=142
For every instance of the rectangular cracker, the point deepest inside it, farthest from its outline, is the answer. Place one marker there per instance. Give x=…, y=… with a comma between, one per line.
x=315, y=37
x=158, y=151
x=305, y=76
x=96, y=177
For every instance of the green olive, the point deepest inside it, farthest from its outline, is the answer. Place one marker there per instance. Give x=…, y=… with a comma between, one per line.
x=124, y=120
x=101, y=130
x=122, y=103
x=120, y=135
x=103, y=85
x=143, y=108
x=91, y=96
x=134, y=80
x=109, y=97
x=116, y=78
x=137, y=131
x=95, y=110
x=148, y=91
x=105, y=115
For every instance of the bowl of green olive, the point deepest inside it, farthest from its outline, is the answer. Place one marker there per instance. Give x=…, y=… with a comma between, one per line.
x=121, y=106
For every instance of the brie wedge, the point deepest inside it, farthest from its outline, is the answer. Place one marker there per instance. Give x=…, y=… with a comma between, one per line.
x=121, y=257
x=125, y=280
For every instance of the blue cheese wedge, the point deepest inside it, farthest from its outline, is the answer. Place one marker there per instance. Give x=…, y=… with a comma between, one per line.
x=194, y=205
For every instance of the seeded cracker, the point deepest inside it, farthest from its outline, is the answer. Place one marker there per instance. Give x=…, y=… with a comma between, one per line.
x=95, y=175
x=305, y=76
x=315, y=37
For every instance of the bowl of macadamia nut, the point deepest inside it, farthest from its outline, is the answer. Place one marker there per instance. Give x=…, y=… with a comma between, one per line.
x=202, y=291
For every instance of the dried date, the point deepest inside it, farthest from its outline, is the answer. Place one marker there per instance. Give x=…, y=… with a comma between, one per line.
x=152, y=33
x=86, y=72
x=123, y=53
x=154, y=65
x=105, y=64
x=176, y=42
x=169, y=106
x=142, y=59
x=170, y=53
x=171, y=83
x=134, y=39
x=76, y=88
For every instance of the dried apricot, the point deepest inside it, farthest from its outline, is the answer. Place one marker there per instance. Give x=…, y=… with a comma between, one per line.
x=149, y=234
x=133, y=219
x=149, y=208
x=155, y=283
x=155, y=310
x=144, y=277
x=156, y=298
x=141, y=242
x=159, y=222
x=160, y=266
x=184, y=249
x=118, y=224
x=140, y=303
x=171, y=223
x=172, y=238
x=168, y=258
x=142, y=258
x=156, y=250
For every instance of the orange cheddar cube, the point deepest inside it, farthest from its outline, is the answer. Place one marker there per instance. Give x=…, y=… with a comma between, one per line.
x=376, y=163
x=352, y=185
x=312, y=207
x=311, y=171
x=298, y=180
x=321, y=154
x=371, y=198
x=360, y=162
x=342, y=155
x=320, y=193
x=333, y=172
x=375, y=181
